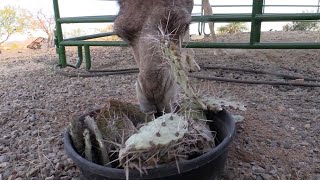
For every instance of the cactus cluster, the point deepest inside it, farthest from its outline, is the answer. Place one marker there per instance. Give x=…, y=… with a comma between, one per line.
x=166, y=139
x=169, y=138
x=174, y=58
x=98, y=134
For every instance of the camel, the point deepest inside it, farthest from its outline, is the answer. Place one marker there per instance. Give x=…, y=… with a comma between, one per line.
x=141, y=23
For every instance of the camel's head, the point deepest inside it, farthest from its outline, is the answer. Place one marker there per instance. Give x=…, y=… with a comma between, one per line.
x=144, y=24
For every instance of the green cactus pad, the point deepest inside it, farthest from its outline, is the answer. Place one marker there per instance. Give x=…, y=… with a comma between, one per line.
x=161, y=131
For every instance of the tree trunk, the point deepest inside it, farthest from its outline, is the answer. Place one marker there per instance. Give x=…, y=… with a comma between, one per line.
x=50, y=42
x=208, y=11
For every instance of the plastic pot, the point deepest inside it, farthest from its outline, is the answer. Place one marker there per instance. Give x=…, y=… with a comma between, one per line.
x=208, y=166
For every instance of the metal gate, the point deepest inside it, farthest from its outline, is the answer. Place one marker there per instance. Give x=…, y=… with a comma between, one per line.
x=256, y=18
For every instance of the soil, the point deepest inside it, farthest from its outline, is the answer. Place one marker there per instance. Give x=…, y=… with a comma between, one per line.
x=279, y=138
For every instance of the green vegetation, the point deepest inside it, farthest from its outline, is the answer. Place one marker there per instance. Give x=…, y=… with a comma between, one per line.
x=12, y=20
x=233, y=27
x=302, y=26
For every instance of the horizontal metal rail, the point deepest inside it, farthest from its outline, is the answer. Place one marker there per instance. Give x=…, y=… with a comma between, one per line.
x=91, y=36
x=245, y=17
x=267, y=5
x=206, y=45
x=93, y=43
x=87, y=19
x=287, y=17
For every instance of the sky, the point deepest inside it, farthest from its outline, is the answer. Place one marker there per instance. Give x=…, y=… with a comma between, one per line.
x=69, y=8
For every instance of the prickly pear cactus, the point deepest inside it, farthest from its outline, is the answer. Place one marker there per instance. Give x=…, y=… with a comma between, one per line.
x=199, y=103
x=159, y=132
x=167, y=139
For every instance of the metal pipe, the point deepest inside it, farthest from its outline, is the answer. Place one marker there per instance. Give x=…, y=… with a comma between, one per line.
x=91, y=36
x=280, y=5
x=94, y=43
x=287, y=17
x=61, y=49
x=87, y=19
x=254, y=46
x=242, y=17
x=80, y=56
x=207, y=45
x=87, y=56
x=255, y=34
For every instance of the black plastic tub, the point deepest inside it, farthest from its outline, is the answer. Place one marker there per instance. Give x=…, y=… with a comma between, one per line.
x=209, y=166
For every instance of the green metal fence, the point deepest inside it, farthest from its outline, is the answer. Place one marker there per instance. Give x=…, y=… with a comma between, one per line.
x=256, y=18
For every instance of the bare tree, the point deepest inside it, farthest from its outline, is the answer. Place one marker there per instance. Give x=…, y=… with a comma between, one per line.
x=45, y=22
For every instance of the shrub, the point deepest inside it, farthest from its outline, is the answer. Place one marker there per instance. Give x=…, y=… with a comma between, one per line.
x=233, y=27
x=302, y=26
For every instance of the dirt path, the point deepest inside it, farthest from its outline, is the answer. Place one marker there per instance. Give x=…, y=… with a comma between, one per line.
x=279, y=138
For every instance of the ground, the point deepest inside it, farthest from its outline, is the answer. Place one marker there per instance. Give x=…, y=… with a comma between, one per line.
x=279, y=138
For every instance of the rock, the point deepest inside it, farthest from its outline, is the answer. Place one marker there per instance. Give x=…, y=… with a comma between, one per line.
x=258, y=170
x=14, y=133
x=50, y=178
x=4, y=158
x=20, y=170
x=287, y=144
x=271, y=143
x=282, y=176
x=304, y=143
x=316, y=177
x=273, y=172
x=259, y=178
x=317, y=170
x=4, y=165
x=307, y=126
x=267, y=177
x=32, y=118
x=46, y=127
x=4, y=141
x=303, y=134
x=58, y=166
x=281, y=108
x=7, y=173
x=238, y=118
x=11, y=177
x=34, y=133
x=32, y=171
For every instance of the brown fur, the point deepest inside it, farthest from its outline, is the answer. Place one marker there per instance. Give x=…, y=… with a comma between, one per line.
x=138, y=23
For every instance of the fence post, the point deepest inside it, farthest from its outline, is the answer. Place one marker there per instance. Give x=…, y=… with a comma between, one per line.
x=87, y=56
x=61, y=49
x=80, y=56
x=257, y=7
